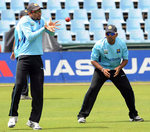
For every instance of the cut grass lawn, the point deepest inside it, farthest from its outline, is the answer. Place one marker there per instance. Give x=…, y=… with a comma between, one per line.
x=62, y=103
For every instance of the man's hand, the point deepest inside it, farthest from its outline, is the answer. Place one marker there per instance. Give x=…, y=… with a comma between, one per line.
x=12, y=57
x=52, y=26
x=124, y=62
x=117, y=69
x=106, y=72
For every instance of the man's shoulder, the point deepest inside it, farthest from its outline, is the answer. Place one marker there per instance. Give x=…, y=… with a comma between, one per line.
x=24, y=19
x=120, y=40
x=121, y=43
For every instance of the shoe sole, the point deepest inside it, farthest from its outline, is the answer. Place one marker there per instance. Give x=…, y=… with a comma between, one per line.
x=33, y=127
x=137, y=120
x=11, y=126
x=81, y=121
x=37, y=129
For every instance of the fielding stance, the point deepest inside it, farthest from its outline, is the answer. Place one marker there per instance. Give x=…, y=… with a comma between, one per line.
x=106, y=57
x=30, y=30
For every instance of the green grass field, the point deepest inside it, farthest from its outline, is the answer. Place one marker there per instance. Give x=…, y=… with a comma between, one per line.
x=63, y=102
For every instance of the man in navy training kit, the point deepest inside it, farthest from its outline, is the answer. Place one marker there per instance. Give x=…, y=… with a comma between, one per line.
x=106, y=58
x=25, y=89
x=30, y=30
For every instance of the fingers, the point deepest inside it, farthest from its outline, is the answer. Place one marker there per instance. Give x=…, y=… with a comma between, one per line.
x=115, y=74
x=57, y=24
x=56, y=27
x=106, y=73
x=51, y=28
x=53, y=23
x=50, y=20
x=12, y=57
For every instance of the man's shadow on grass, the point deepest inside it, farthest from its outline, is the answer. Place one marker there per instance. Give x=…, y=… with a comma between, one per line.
x=57, y=128
x=84, y=127
x=122, y=121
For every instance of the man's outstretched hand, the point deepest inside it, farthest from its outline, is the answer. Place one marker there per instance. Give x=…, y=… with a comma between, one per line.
x=52, y=25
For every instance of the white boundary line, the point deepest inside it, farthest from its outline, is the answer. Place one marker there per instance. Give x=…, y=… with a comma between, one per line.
x=75, y=84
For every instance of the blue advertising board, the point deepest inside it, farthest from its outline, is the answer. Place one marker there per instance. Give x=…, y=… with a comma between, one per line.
x=75, y=66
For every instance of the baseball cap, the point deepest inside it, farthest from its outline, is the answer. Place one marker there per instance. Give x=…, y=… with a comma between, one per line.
x=111, y=29
x=33, y=7
x=23, y=13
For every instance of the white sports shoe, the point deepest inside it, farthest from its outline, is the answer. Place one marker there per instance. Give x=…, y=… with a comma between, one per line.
x=136, y=119
x=12, y=121
x=81, y=120
x=33, y=125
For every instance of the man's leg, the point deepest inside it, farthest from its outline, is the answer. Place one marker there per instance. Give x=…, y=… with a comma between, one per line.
x=36, y=81
x=90, y=97
x=25, y=89
x=20, y=81
x=122, y=83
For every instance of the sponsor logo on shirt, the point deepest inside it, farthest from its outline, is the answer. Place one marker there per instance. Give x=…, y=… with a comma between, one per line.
x=118, y=50
x=105, y=51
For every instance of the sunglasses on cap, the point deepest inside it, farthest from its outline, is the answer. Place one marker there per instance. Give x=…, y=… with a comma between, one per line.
x=112, y=34
x=38, y=11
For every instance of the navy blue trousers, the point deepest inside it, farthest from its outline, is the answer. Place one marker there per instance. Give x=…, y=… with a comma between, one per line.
x=32, y=66
x=120, y=81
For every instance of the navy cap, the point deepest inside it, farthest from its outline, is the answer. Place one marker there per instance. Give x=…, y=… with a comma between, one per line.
x=33, y=7
x=23, y=13
x=111, y=29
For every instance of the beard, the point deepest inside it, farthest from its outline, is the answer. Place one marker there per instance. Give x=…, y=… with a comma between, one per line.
x=36, y=18
x=111, y=40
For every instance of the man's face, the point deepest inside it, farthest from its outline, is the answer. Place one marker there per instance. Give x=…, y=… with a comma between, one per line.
x=111, y=37
x=36, y=15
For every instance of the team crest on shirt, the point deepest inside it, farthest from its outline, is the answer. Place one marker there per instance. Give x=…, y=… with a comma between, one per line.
x=105, y=51
x=32, y=23
x=118, y=50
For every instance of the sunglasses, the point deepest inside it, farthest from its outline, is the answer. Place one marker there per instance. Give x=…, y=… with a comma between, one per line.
x=112, y=34
x=38, y=11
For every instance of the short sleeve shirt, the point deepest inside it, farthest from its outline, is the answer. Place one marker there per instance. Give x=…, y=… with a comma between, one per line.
x=109, y=56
